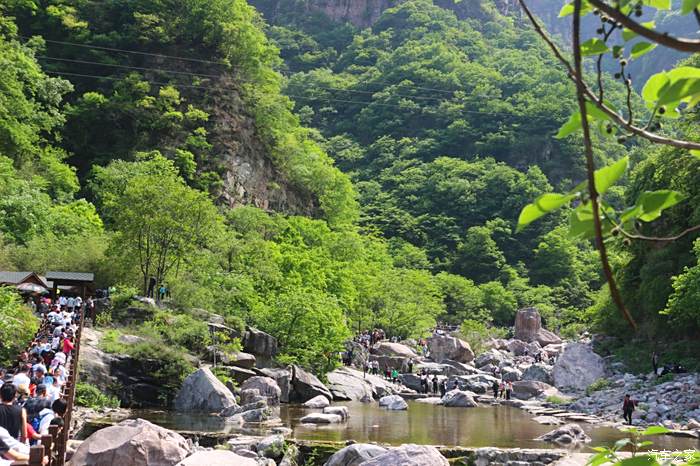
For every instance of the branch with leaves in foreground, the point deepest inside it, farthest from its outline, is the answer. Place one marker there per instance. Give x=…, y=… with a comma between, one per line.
x=664, y=94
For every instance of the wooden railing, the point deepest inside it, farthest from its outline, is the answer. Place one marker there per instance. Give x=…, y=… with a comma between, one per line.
x=52, y=450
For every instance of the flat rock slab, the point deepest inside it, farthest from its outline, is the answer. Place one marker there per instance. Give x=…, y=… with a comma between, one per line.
x=215, y=457
x=547, y=420
x=321, y=418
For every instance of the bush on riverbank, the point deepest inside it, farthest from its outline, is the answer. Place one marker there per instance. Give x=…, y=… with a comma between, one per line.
x=91, y=397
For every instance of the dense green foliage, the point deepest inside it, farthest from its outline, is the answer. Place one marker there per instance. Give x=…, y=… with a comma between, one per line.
x=17, y=326
x=91, y=397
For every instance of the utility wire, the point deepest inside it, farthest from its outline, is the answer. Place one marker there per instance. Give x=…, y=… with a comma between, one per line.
x=140, y=68
x=300, y=97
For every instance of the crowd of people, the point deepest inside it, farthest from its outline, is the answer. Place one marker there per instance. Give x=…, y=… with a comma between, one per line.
x=31, y=392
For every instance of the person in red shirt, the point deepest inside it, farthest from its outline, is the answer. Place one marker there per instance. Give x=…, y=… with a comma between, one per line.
x=68, y=345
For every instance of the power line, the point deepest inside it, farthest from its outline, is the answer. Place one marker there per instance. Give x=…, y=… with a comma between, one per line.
x=140, y=68
x=114, y=49
x=300, y=97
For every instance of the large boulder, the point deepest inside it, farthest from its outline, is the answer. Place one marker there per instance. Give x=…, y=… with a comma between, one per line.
x=443, y=347
x=305, y=386
x=526, y=389
x=568, y=434
x=477, y=383
x=202, y=391
x=355, y=454
x=133, y=442
x=521, y=348
x=527, y=323
x=386, y=348
x=450, y=367
x=271, y=446
x=540, y=373
x=545, y=337
x=510, y=374
x=492, y=356
x=409, y=455
x=283, y=377
x=577, y=367
x=259, y=343
x=359, y=354
x=321, y=418
x=341, y=411
x=213, y=457
x=393, y=402
x=244, y=360
x=347, y=384
x=317, y=402
x=399, y=363
x=266, y=386
x=458, y=399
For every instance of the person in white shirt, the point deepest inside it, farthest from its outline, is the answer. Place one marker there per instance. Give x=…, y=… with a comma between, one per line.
x=22, y=377
x=78, y=302
x=63, y=302
x=70, y=303
x=58, y=409
x=11, y=448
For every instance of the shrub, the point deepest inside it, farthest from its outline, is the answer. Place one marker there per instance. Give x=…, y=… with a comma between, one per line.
x=477, y=334
x=91, y=397
x=557, y=400
x=109, y=343
x=600, y=384
x=121, y=298
x=17, y=325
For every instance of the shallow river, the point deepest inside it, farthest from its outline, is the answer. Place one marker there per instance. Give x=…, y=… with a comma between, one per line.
x=498, y=426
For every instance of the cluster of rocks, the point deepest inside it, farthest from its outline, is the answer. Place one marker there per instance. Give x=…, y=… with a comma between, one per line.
x=674, y=404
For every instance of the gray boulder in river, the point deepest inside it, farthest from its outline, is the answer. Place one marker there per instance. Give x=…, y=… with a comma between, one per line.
x=409, y=455
x=577, y=367
x=133, y=442
x=355, y=454
x=447, y=347
x=568, y=434
x=266, y=386
x=393, y=402
x=213, y=457
x=202, y=391
x=458, y=399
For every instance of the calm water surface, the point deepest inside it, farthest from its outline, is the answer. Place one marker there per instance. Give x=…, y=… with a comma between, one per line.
x=497, y=426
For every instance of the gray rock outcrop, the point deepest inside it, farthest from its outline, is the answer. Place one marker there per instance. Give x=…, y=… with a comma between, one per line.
x=540, y=373
x=348, y=384
x=526, y=389
x=409, y=455
x=244, y=360
x=266, y=387
x=283, y=378
x=202, y=391
x=354, y=455
x=443, y=347
x=568, y=434
x=527, y=323
x=271, y=446
x=305, y=385
x=386, y=348
x=577, y=367
x=133, y=442
x=492, y=356
x=259, y=343
x=341, y=411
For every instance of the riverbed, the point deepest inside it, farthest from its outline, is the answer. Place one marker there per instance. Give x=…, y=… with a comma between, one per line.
x=496, y=426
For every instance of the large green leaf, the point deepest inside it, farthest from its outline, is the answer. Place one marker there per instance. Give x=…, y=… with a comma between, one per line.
x=628, y=34
x=655, y=430
x=642, y=48
x=658, y=4
x=689, y=5
x=594, y=46
x=640, y=460
x=607, y=176
x=652, y=203
x=684, y=85
x=572, y=125
x=653, y=86
x=696, y=153
x=541, y=206
x=568, y=9
x=581, y=225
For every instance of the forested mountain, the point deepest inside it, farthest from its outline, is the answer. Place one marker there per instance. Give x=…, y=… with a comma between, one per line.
x=315, y=177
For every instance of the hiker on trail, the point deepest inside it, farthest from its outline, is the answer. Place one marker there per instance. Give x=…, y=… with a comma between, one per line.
x=628, y=406
x=365, y=366
x=410, y=366
x=435, y=383
x=53, y=416
x=509, y=389
x=12, y=416
x=494, y=387
x=443, y=387
x=11, y=448
x=151, y=287
x=37, y=403
x=655, y=363
x=502, y=389
x=394, y=375
x=22, y=377
x=424, y=383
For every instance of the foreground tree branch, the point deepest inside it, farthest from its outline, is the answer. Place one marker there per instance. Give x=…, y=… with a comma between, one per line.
x=680, y=44
x=590, y=169
x=590, y=94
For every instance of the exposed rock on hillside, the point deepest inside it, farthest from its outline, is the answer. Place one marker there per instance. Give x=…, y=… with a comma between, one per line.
x=202, y=391
x=577, y=367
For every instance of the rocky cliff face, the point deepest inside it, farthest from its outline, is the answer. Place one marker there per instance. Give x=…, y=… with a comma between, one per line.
x=249, y=175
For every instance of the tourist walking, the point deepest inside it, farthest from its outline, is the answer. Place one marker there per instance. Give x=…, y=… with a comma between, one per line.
x=494, y=387
x=394, y=375
x=509, y=389
x=410, y=366
x=628, y=406
x=12, y=416
x=443, y=387
x=502, y=389
x=435, y=384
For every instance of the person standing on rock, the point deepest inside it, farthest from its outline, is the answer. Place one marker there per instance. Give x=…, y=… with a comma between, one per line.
x=494, y=387
x=410, y=366
x=509, y=389
x=435, y=384
x=628, y=406
x=655, y=363
x=394, y=375
x=502, y=389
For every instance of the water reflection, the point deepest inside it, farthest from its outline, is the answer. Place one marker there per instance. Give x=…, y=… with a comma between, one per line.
x=499, y=426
